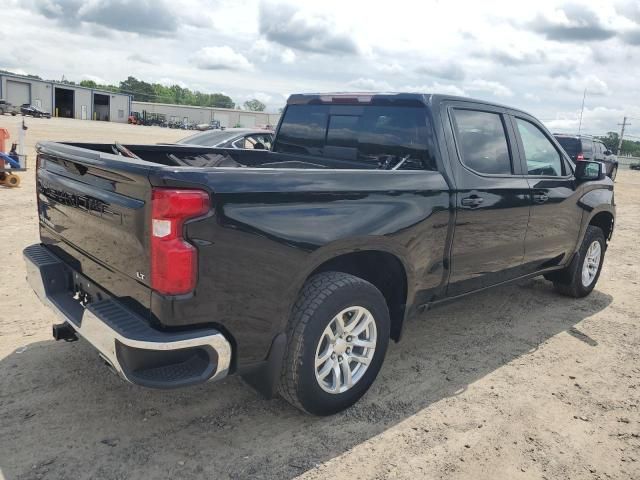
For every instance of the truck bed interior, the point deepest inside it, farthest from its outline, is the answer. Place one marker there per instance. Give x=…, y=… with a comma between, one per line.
x=207, y=157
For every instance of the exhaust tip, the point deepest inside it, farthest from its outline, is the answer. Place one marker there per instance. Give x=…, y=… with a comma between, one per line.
x=64, y=331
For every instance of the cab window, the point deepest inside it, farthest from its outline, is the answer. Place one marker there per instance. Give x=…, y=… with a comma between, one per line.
x=482, y=141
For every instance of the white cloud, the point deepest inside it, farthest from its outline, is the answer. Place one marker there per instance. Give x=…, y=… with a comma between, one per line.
x=169, y=82
x=578, y=83
x=220, y=58
x=17, y=71
x=436, y=87
x=94, y=78
x=596, y=121
x=489, y=86
x=393, y=68
x=288, y=56
x=369, y=85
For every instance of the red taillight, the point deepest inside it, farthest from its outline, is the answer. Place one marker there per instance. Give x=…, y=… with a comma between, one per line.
x=174, y=261
x=580, y=157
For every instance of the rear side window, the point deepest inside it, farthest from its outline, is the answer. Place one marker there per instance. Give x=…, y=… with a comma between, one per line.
x=542, y=157
x=587, y=145
x=303, y=129
x=482, y=141
x=570, y=145
x=374, y=136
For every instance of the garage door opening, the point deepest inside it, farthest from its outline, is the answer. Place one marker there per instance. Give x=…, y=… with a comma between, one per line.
x=64, y=102
x=100, y=107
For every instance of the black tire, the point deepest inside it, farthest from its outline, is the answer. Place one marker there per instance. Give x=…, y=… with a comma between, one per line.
x=322, y=297
x=569, y=282
x=614, y=172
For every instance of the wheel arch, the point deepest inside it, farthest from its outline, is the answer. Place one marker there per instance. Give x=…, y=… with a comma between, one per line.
x=605, y=221
x=383, y=269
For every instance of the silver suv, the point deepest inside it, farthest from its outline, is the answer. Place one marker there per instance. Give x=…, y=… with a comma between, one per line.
x=6, y=107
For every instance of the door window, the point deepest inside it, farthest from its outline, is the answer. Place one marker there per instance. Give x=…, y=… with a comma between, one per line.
x=482, y=141
x=542, y=157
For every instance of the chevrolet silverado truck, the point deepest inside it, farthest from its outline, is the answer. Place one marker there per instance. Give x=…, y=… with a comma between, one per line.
x=294, y=267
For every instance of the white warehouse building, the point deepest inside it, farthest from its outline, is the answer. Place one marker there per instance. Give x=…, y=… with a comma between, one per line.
x=191, y=114
x=64, y=100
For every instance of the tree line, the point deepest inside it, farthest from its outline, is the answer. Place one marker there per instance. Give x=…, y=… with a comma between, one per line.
x=612, y=139
x=157, y=93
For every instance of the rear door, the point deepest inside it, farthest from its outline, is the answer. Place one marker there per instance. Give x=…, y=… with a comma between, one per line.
x=492, y=199
x=555, y=219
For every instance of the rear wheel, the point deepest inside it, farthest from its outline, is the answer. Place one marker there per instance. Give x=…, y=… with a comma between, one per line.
x=580, y=278
x=337, y=339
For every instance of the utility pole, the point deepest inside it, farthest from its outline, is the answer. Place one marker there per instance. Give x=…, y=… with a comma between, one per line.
x=582, y=110
x=624, y=124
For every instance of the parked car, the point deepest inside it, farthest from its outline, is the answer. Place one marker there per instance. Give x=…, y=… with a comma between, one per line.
x=6, y=107
x=585, y=147
x=295, y=268
x=28, y=109
x=231, y=138
x=212, y=125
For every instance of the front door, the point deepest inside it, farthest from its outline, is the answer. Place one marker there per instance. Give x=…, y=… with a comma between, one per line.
x=492, y=199
x=554, y=223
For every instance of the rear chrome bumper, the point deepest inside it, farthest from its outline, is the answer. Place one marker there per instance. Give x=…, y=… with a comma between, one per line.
x=137, y=352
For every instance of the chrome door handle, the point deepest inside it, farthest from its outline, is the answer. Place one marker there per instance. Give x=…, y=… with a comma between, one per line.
x=472, y=201
x=540, y=197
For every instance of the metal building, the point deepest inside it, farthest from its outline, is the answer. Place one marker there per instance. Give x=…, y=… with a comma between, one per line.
x=64, y=100
x=188, y=114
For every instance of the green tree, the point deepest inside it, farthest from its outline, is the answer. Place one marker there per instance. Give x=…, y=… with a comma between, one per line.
x=141, y=90
x=220, y=100
x=88, y=84
x=254, y=105
x=611, y=141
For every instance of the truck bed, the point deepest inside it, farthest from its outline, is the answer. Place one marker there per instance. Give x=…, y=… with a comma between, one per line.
x=206, y=157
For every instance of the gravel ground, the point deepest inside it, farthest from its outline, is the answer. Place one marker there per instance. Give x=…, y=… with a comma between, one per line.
x=513, y=383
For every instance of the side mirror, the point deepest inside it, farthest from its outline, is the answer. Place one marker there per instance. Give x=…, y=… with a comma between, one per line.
x=607, y=152
x=589, y=171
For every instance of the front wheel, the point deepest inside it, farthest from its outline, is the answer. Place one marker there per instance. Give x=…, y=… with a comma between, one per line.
x=581, y=276
x=337, y=339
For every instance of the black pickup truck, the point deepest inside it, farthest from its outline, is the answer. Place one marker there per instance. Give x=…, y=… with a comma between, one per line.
x=294, y=267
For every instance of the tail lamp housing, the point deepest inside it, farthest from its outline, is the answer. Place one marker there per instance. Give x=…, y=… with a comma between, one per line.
x=580, y=157
x=174, y=261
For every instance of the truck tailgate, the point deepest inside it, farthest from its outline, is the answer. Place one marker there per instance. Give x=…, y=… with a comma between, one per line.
x=91, y=208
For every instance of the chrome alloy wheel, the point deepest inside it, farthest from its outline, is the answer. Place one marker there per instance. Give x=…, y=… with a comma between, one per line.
x=345, y=349
x=591, y=263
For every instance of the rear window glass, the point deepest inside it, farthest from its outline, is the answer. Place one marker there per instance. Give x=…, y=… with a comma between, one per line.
x=570, y=145
x=375, y=136
x=587, y=145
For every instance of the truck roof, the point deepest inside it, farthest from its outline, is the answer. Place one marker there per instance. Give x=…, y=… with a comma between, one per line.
x=364, y=98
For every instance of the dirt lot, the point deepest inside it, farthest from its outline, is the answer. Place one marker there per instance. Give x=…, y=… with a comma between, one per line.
x=513, y=383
